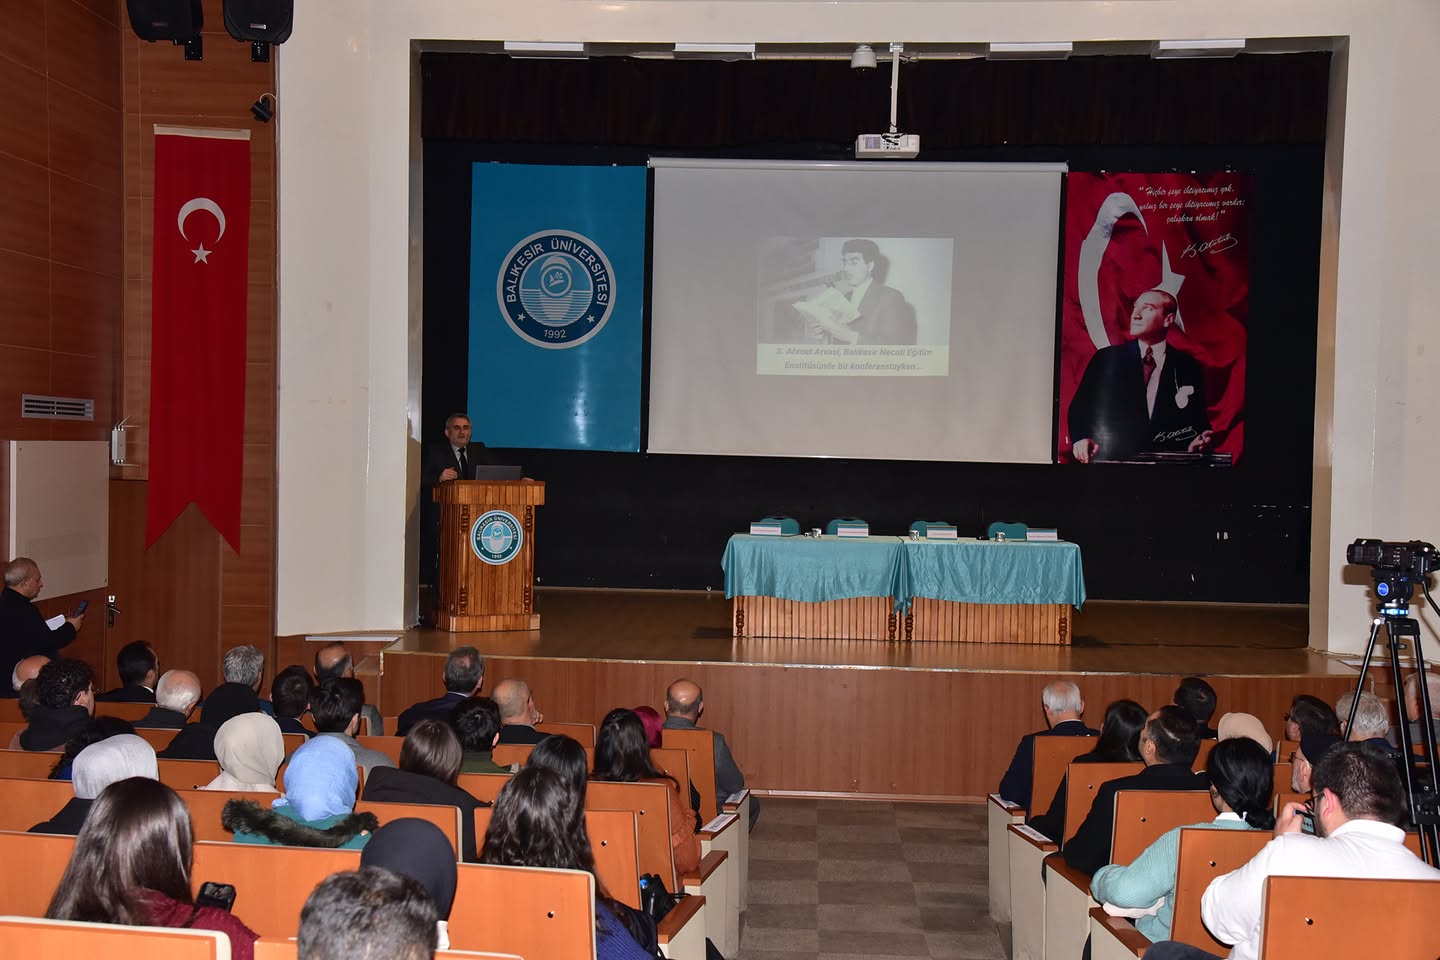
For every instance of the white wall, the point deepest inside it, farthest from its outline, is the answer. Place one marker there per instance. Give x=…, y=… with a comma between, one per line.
x=348, y=311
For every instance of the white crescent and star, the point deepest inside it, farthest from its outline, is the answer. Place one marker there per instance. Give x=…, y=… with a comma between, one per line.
x=1092, y=252
x=209, y=206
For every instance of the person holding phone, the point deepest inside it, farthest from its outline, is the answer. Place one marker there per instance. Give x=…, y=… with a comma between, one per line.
x=23, y=631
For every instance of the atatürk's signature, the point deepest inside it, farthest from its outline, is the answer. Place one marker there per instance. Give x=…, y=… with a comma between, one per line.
x=1223, y=242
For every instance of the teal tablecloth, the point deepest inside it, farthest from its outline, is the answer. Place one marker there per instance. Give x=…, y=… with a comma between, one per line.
x=812, y=570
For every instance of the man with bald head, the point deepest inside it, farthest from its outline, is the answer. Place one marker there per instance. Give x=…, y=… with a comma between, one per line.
x=27, y=669
x=1063, y=707
x=176, y=694
x=332, y=662
x=23, y=632
x=684, y=703
x=518, y=715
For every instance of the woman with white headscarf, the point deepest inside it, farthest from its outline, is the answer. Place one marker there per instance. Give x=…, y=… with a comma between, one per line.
x=250, y=749
x=96, y=767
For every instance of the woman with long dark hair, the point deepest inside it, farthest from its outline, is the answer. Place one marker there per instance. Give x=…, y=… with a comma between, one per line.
x=429, y=772
x=131, y=865
x=1242, y=779
x=622, y=755
x=1119, y=742
x=539, y=821
x=566, y=757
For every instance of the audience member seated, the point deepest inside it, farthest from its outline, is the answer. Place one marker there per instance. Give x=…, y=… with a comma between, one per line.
x=1242, y=781
x=430, y=761
x=196, y=741
x=518, y=715
x=23, y=631
x=27, y=669
x=684, y=705
x=1371, y=724
x=96, y=767
x=1062, y=705
x=623, y=756
x=64, y=702
x=464, y=675
x=1309, y=713
x=245, y=665
x=176, y=695
x=250, y=749
x=1359, y=806
x=95, y=730
x=655, y=736
x=1245, y=725
x=336, y=711
x=29, y=696
x=333, y=662
x=1313, y=744
x=318, y=808
x=1197, y=698
x=290, y=694
x=139, y=668
x=565, y=756
x=1168, y=746
x=476, y=723
x=131, y=865
x=414, y=848
x=370, y=912
x=539, y=821
x=1414, y=709
x=1119, y=742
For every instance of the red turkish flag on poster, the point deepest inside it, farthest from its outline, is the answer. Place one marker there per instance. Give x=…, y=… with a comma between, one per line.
x=197, y=352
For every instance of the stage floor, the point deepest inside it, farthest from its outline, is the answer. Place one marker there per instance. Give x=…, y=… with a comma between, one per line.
x=1110, y=638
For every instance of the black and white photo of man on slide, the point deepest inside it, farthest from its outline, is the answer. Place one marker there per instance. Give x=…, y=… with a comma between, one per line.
x=876, y=314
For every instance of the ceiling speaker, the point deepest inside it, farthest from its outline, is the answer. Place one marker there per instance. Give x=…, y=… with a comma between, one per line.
x=174, y=20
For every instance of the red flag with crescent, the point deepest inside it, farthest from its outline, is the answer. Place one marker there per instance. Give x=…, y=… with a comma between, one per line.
x=197, y=346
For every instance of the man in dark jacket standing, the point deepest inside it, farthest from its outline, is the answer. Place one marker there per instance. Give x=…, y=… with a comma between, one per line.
x=23, y=632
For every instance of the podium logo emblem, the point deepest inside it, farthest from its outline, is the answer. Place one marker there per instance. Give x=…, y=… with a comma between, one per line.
x=556, y=289
x=496, y=537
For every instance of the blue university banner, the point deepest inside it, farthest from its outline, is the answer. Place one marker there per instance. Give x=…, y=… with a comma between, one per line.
x=557, y=280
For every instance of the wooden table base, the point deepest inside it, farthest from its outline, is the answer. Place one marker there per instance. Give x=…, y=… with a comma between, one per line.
x=871, y=618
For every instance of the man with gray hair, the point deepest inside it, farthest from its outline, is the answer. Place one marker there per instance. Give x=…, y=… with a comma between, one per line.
x=1063, y=707
x=245, y=665
x=464, y=675
x=176, y=695
x=1372, y=720
x=23, y=631
x=1414, y=709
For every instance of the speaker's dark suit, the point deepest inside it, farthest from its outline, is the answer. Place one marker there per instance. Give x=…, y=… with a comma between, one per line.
x=441, y=456
x=885, y=317
x=1109, y=405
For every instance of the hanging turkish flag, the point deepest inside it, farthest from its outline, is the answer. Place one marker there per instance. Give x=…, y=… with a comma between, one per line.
x=197, y=346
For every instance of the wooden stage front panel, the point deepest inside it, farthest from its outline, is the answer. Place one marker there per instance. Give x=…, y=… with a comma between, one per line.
x=872, y=618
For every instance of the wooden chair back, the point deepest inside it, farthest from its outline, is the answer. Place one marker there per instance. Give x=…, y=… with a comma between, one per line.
x=293, y=742
x=271, y=883
x=1084, y=779
x=483, y=786
x=676, y=762
x=700, y=745
x=10, y=711
x=508, y=753
x=1141, y=816
x=1205, y=855
x=26, y=892
x=1329, y=917
x=1283, y=772
x=613, y=841
x=188, y=774
x=650, y=802
x=157, y=737
x=1051, y=756
x=24, y=803
x=125, y=711
x=1283, y=797
x=24, y=765
x=1284, y=748
x=1202, y=758
x=582, y=732
x=390, y=746
x=28, y=936
x=526, y=911
x=206, y=807
x=273, y=948
x=9, y=729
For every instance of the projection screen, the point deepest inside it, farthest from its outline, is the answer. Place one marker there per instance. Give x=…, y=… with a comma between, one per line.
x=865, y=310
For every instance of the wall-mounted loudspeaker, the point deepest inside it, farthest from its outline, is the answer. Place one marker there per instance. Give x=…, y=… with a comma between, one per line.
x=178, y=21
x=261, y=22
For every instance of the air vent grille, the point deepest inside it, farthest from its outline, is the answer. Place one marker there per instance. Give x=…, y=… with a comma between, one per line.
x=33, y=407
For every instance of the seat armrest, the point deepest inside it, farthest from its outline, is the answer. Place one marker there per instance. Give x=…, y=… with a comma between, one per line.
x=717, y=826
x=1034, y=838
x=732, y=802
x=1123, y=931
x=1013, y=809
x=708, y=865
x=1055, y=864
x=685, y=909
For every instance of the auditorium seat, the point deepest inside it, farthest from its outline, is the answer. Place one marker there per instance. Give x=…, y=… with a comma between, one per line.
x=34, y=937
x=1329, y=917
x=22, y=764
x=583, y=733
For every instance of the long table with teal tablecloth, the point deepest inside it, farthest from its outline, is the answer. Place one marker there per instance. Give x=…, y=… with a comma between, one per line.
x=899, y=589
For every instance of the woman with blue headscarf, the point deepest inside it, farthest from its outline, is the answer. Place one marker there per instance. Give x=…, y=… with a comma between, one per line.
x=317, y=809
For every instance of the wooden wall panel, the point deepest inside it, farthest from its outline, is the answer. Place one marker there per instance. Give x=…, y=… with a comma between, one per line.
x=925, y=733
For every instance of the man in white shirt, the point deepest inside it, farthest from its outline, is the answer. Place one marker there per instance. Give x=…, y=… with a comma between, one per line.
x=1358, y=803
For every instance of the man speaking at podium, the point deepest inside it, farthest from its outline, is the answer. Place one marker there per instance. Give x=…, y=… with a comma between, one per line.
x=454, y=459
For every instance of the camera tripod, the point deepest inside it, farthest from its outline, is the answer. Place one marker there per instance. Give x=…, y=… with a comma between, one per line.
x=1419, y=771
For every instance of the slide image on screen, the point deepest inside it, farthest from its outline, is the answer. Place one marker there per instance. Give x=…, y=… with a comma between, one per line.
x=853, y=306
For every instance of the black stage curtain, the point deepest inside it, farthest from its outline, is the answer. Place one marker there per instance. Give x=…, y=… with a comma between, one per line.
x=1148, y=533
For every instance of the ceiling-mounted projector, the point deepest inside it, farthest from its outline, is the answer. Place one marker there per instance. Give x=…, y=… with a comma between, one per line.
x=887, y=146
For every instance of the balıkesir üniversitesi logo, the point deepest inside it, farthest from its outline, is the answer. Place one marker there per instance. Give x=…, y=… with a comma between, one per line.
x=556, y=289
x=496, y=537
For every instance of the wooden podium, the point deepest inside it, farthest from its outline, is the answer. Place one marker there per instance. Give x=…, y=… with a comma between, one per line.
x=487, y=554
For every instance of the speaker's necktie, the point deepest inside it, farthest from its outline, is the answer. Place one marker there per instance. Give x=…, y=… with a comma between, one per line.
x=465, y=464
